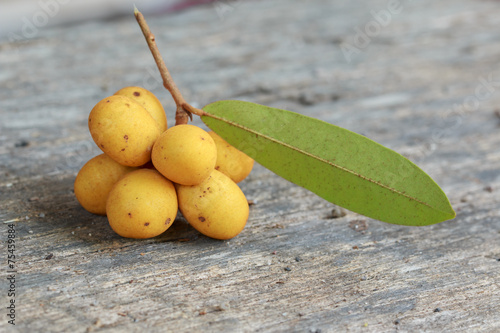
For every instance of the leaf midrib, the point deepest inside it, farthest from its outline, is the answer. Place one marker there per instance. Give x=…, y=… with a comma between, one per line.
x=322, y=160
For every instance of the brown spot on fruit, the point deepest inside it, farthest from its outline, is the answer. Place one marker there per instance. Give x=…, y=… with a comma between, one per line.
x=130, y=215
x=201, y=218
x=167, y=221
x=217, y=167
x=107, y=101
x=136, y=93
x=125, y=137
x=123, y=149
x=202, y=138
x=146, y=224
x=102, y=146
x=127, y=104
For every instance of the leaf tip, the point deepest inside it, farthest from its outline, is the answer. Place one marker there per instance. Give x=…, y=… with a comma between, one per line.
x=450, y=214
x=453, y=214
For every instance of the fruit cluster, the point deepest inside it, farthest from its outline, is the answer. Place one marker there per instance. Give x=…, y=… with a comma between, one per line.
x=148, y=172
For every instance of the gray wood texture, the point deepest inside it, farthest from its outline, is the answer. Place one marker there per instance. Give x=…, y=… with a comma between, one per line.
x=426, y=84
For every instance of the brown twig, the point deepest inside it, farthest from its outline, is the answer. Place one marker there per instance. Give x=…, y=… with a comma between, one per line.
x=184, y=110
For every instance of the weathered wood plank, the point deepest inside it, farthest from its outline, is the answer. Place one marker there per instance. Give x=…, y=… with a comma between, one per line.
x=294, y=267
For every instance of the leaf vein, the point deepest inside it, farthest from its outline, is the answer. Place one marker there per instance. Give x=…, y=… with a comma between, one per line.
x=317, y=158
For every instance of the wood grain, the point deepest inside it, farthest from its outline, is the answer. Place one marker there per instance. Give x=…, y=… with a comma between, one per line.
x=417, y=87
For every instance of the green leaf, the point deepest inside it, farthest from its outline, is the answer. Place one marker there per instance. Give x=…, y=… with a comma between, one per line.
x=340, y=166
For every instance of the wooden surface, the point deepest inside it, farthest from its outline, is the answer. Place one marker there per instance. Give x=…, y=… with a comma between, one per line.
x=295, y=268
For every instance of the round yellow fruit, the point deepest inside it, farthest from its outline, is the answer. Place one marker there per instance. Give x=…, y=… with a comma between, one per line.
x=217, y=207
x=143, y=204
x=185, y=154
x=230, y=161
x=149, y=101
x=95, y=180
x=124, y=130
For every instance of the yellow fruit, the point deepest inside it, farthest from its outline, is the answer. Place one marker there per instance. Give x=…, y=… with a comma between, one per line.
x=142, y=204
x=185, y=154
x=230, y=161
x=149, y=101
x=124, y=130
x=94, y=181
x=217, y=207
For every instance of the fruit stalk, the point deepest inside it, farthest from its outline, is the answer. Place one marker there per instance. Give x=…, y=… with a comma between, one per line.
x=184, y=110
